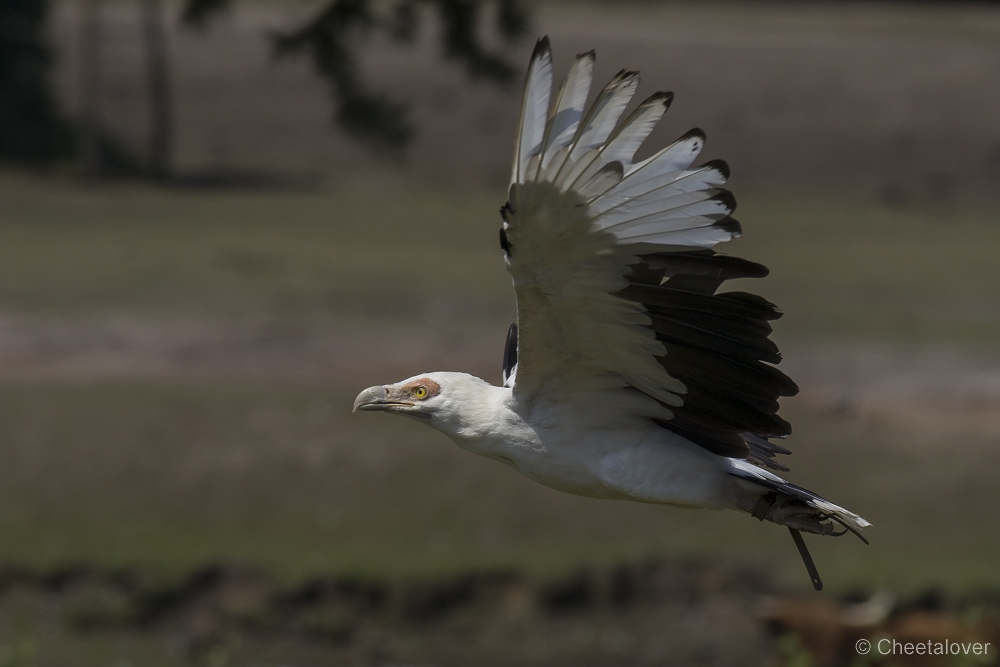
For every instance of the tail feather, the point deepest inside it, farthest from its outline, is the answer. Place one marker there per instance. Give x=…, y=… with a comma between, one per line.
x=776, y=492
x=749, y=472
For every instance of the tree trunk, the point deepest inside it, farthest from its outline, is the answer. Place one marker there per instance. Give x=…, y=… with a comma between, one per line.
x=158, y=79
x=91, y=124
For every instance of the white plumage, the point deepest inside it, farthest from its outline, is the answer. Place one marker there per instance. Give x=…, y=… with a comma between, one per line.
x=626, y=376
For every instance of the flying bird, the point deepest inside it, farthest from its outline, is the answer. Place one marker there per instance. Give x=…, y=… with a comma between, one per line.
x=627, y=375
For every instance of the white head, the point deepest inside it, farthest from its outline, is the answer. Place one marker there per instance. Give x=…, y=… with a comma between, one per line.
x=458, y=404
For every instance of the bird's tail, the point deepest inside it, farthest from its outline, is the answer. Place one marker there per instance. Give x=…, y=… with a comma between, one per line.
x=771, y=498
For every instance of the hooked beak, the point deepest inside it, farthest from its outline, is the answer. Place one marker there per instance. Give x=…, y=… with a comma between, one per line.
x=375, y=398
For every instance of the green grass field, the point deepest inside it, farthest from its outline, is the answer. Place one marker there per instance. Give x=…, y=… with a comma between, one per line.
x=171, y=473
x=840, y=268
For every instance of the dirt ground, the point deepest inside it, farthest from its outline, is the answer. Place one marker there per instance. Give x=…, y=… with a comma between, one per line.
x=662, y=613
x=886, y=382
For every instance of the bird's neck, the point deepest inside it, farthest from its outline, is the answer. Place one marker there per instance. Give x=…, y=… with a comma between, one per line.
x=486, y=424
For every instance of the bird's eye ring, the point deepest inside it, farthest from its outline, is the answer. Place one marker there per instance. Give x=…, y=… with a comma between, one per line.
x=420, y=392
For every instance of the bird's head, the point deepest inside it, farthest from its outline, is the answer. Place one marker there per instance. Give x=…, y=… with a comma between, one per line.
x=458, y=404
x=420, y=396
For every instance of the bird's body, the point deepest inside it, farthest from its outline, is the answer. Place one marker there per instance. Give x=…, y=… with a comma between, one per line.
x=576, y=447
x=628, y=375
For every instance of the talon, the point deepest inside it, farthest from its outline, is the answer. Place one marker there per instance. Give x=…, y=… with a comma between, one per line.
x=808, y=526
x=792, y=515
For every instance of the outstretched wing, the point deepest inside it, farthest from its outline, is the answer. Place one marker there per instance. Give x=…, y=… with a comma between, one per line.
x=614, y=272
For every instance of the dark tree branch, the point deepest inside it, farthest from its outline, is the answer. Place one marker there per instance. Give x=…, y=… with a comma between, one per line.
x=460, y=19
x=330, y=40
x=404, y=22
x=158, y=78
x=32, y=127
x=326, y=40
x=512, y=20
x=198, y=13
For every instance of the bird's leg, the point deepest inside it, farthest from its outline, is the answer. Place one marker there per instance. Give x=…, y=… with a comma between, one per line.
x=785, y=511
x=817, y=526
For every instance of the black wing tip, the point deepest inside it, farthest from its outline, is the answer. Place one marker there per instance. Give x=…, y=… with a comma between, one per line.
x=728, y=267
x=541, y=47
x=506, y=211
x=760, y=271
x=504, y=241
x=748, y=268
x=615, y=166
x=730, y=225
x=694, y=133
x=764, y=453
x=727, y=199
x=765, y=444
x=664, y=97
x=782, y=429
x=720, y=166
x=590, y=55
x=624, y=75
x=510, y=352
x=787, y=387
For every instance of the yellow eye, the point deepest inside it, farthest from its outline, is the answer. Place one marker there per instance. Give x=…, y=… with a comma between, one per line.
x=420, y=392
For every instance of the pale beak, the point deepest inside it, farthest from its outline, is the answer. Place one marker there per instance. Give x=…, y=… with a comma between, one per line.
x=376, y=398
x=372, y=398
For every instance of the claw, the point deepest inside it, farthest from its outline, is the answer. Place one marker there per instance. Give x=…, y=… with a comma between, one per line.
x=793, y=515
x=808, y=525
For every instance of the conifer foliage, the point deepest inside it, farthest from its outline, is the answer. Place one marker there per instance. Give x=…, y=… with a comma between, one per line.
x=333, y=37
x=32, y=128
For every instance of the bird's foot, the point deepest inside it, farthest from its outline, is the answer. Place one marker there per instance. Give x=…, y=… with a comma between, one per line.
x=793, y=514
x=817, y=524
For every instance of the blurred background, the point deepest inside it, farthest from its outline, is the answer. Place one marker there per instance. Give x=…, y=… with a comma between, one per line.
x=221, y=220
